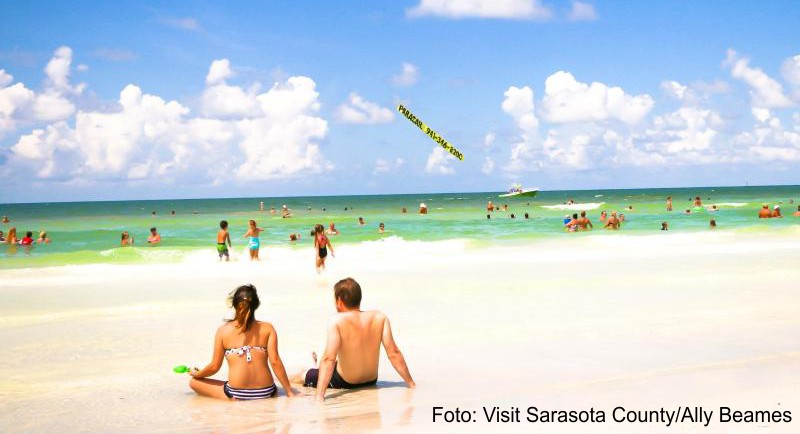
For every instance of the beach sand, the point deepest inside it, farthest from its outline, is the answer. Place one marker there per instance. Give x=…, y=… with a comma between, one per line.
x=644, y=322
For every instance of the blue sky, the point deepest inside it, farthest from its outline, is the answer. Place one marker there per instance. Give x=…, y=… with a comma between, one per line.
x=118, y=100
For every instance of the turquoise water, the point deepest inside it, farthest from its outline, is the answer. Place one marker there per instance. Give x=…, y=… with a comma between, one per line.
x=89, y=232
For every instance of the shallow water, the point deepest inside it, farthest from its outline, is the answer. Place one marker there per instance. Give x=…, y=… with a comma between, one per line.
x=89, y=232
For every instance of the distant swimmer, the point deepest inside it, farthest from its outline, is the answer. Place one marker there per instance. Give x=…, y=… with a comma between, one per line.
x=332, y=230
x=572, y=224
x=490, y=206
x=27, y=240
x=669, y=203
x=688, y=211
x=381, y=228
x=776, y=212
x=764, y=213
x=361, y=221
x=505, y=207
x=513, y=216
x=11, y=237
x=797, y=213
x=488, y=216
x=713, y=208
x=223, y=241
x=697, y=201
x=603, y=216
x=6, y=219
x=254, y=242
x=352, y=351
x=153, y=213
x=621, y=217
x=261, y=206
x=527, y=216
x=612, y=222
x=155, y=238
x=172, y=213
x=251, y=348
x=712, y=224
x=423, y=209
x=272, y=210
x=43, y=238
x=321, y=245
x=285, y=212
x=630, y=207
x=570, y=202
x=126, y=239
x=583, y=222
x=294, y=237
x=2, y=237
x=664, y=226
x=404, y=210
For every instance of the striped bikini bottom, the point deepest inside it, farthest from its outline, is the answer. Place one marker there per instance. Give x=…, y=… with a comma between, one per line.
x=247, y=394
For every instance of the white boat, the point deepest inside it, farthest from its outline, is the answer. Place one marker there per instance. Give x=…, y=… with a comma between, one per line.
x=517, y=190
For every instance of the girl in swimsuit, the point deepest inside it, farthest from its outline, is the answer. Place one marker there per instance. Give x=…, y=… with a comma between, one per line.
x=247, y=345
x=321, y=245
x=255, y=243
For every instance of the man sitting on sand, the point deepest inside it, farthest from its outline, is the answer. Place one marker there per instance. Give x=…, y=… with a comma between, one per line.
x=351, y=354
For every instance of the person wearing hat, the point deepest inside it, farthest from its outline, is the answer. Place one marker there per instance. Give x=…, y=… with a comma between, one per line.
x=776, y=212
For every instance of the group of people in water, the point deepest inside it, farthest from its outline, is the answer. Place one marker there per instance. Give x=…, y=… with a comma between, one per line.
x=350, y=359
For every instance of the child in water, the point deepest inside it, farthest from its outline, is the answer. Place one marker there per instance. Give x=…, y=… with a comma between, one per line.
x=255, y=243
x=223, y=237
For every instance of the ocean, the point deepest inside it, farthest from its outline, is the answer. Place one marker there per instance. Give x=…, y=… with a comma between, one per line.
x=89, y=232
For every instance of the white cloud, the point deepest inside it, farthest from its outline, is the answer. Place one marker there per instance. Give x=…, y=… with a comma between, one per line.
x=187, y=23
x=769, y=141
x=386, y=166
x=686, y=129
x=219, y=71
x=674, y=90
x=791, y=70
x=14, y=100
x=765, y=92
x=408, y=77
x=505, y=9
x=357, y=110
x=519, y=104
x=488, y=139
x=582, y=11
x=567, y=100
x=5, y=78
x=439, y=162
x=148, y=137
x=114, y=54
x=488, y=166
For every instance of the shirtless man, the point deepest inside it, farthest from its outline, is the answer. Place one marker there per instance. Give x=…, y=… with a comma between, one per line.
x=764, y=213
x=613, y=221
x=351, y=354
x=584, y=222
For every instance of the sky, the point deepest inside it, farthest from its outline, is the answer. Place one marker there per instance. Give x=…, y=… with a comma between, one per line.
x=148, y=100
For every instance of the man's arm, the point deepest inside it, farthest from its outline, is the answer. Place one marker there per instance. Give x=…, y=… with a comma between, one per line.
x=328, y=361
x=394, y=354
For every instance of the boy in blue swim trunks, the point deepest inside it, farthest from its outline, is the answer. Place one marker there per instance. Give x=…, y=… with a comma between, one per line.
x=223, y=237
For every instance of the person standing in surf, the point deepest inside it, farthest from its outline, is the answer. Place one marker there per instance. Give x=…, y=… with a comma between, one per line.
x=321, y=246
x=254, y=243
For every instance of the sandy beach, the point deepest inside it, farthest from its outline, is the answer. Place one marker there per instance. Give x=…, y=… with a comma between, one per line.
x=643, y=322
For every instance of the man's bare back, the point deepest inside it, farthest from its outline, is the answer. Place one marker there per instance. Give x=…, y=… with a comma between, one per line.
x=360, y=334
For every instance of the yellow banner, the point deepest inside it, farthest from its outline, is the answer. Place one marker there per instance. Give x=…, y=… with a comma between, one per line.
x=432, y=134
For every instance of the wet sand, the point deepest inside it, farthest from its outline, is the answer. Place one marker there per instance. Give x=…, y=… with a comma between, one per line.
x=642, y=322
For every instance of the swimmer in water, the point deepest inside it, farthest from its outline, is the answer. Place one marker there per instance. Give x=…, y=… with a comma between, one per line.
x=526, y=215
x=490, y=206
x=664, y=226
x=572, y=224
x=669, y=203
x=285, y=212
x=272, y=210
x=27, y=240
x=126, y=239
x=797, y=213
x=2, y=237
x=697, y=201
x=5, y=219
x=11, y=237
x=261, y=206
x=613, y=222
x=404, y=210
x=321, y=245
x=154, y=239
x=583, y=222
x=381, y=228
x=764, y=213
x=332, y=230
x=43, y=238
x=254, y=243
x=423, y=209
x=294, y=237
x=603, y=216
x=712, y=224
x=776, y=212
x=621, y=217
x=361, y=221
x=688, y=211
x=223, y=241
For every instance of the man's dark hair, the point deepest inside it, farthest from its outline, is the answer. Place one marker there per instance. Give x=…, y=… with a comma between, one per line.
x=349, y=291
x=223, y=224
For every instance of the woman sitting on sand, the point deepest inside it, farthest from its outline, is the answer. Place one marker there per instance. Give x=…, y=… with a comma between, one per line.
x=248, y=345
